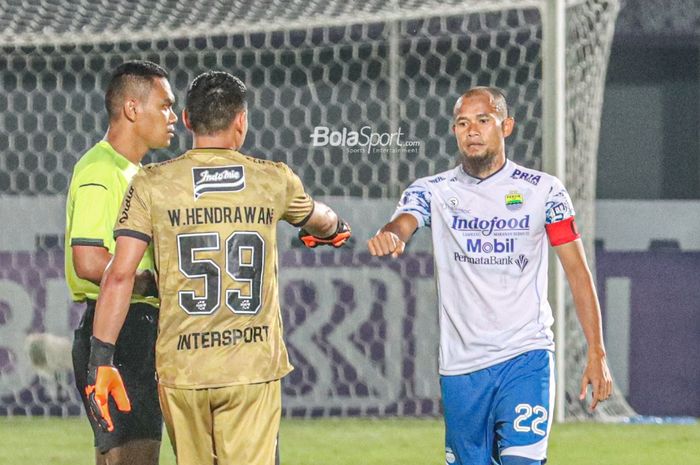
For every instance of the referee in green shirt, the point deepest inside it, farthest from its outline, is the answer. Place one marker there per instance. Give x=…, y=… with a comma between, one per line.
x=139, y=104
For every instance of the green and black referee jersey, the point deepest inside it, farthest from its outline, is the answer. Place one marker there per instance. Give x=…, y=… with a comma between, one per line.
x=100, y=179
x=99, y=182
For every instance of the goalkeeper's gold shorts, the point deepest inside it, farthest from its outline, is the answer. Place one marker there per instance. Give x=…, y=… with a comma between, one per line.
x=236, y=425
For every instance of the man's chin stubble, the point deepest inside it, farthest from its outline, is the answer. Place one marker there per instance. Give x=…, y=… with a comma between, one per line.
x=480, y=162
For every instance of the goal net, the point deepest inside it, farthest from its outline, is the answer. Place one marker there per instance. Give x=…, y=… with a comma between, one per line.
x=362, y=332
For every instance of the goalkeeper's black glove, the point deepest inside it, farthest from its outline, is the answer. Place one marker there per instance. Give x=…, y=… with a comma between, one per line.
x=337, y=239
x=104, y=380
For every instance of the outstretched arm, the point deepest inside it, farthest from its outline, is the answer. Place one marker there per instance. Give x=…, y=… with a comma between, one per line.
x=324, y=227
x=394, y=236
x=597, y=373
x=322, y=222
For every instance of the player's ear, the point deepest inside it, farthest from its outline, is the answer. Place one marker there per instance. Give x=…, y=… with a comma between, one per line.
x=508, y=124
x=241, y=121
x=130, y=109
x=186, y=119
x=240, y=124
x=242, y=118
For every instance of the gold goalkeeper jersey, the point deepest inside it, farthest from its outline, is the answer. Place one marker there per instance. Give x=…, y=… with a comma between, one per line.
x=212, y=216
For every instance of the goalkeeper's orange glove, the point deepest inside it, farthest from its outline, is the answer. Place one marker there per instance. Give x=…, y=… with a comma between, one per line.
x=104, y=380
x=337, y=239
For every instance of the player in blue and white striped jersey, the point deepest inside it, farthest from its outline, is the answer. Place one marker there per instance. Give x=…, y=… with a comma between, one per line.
x=491, y=220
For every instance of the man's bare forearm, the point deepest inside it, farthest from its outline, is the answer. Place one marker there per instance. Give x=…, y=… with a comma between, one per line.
x=401, y=228
x=583, y=291
x=89, y=262
x=112, y=306
x=392, y=238
x=588, y=312
x=323, y=222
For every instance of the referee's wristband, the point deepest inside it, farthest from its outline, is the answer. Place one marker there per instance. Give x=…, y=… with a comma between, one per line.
x=101, y=353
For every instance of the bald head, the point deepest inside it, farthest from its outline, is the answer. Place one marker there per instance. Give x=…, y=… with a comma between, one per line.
x=498, y=100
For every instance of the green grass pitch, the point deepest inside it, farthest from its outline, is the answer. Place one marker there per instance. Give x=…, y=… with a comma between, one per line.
x=369, y=442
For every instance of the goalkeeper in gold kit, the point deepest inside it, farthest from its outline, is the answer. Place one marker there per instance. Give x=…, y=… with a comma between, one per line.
x=139, y=105
x=212, y=217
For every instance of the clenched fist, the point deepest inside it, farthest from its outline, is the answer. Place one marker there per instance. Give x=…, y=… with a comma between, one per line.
x=385, y=243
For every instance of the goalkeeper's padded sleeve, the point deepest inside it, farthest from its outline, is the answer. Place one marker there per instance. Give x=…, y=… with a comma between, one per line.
x=337, y=239
x=104, y=380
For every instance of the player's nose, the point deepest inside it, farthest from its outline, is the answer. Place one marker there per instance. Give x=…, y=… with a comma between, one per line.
x=473, y=132
x=472, y=129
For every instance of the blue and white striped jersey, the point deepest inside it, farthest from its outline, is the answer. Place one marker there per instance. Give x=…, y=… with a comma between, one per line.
x=490, y=248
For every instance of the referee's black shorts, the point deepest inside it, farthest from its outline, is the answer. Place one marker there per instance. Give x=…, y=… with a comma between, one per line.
x=135, y=358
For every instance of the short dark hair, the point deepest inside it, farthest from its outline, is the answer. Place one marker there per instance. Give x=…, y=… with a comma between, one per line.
x=131, y=77
x=213, y=101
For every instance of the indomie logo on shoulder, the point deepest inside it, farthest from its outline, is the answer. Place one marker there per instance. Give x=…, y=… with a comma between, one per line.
x=217, y=179
x=529, y=177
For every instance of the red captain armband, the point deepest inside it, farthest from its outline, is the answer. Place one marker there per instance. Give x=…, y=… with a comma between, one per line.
x=562, y=232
